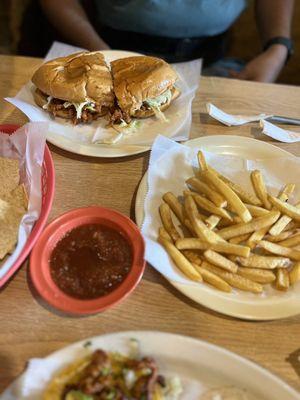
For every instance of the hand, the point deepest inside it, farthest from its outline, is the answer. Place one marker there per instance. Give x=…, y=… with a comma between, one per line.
x=265, y=67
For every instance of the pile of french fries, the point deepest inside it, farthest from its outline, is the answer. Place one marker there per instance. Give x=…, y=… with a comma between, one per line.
x=229, y=238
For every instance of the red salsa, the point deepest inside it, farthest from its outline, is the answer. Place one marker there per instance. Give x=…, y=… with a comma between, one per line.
x=90, y=261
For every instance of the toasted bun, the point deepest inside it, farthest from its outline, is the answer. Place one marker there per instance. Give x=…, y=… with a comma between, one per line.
x=137, y=78
x=41, y=99
x=76, y=78
x=149, y=113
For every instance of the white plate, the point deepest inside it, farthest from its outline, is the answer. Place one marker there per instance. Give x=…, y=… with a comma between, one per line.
x=249, y=307
x=199, y=365
x=127, y=146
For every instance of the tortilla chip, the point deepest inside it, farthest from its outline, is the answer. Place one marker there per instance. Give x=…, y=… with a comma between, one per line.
x=17, y=197
x=10, y=218
x=68, y=376
x=9, y=175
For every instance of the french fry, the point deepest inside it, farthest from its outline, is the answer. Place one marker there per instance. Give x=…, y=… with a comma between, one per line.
x=221, y=247
x=213, y=279
x=192, y=256
x=234, y=280
x=264, y=262
x=286, y=208
x=164, y=234
x=280, y=225
x=165, y=215
x=256, y=236
x=188, y=225
x=212, y=221
x=180, y=260
x=254, y=225
x=275, y=248
x=291, y=225
x=199, y=227
x=282, y=279
x=282, y=236
x=260, y=234
x=260, y=188
x=211, y=194
x=291, y=241
x=294, y=274
x=231, y=197
x=175, y=206
x=257, y=275
x=200, y=215
x=243, y=194
x=239, y=239
x=209, y=206
x=256, y=211
x=201, y=161
x=220, y=261
x=286, y=192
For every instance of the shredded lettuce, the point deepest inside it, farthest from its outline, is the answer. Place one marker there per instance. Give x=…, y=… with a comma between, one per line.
x=157, y=102
x=45, y=106
x=80, y=106
x=127, y=129
x=158, y=113
x=173, y=388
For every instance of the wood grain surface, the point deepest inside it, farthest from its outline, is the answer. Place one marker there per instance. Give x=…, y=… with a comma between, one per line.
x=30, y=328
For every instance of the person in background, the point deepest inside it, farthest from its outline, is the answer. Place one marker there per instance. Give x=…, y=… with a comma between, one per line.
x=178, y=30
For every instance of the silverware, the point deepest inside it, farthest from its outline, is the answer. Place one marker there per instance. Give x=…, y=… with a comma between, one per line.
x=283, y=120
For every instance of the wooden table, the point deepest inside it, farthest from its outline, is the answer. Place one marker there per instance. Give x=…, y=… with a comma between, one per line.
x=30, y=329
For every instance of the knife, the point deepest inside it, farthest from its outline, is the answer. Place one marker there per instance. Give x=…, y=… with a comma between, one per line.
x=283, y=120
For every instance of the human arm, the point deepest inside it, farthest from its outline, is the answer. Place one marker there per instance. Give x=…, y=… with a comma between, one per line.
x=70, y=19
x=274, y=18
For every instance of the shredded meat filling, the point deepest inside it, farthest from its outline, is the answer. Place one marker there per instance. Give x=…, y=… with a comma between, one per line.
x=116, y=116
x=105, y=376
x=56, y=105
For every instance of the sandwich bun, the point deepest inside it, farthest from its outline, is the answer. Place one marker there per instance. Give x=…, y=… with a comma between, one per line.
x=76, y=78
x=136, y=79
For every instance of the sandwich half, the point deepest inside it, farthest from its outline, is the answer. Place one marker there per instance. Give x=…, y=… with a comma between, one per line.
x=77, y=87
x=144, y=86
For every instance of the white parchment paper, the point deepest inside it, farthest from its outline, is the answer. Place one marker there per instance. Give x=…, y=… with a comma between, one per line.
x=282, y=135
x=179, y=114
x=171, y=164
x=27, y=145
x=232, y=119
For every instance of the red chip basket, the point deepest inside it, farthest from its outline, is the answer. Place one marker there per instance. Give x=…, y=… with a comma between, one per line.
x=48, y=184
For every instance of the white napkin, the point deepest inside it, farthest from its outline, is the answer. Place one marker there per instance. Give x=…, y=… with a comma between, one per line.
x=171, y=164
x=179, y=114
x=282, y=135
x=27, y=145
x=232, y=119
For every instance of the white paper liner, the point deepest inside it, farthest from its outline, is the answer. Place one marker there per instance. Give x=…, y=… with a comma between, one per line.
x=282, y=135
x=171, y=164
x=179, y=114
x=232, y=119
x=27, y=145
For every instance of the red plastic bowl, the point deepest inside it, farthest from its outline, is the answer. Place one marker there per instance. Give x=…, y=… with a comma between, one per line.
x=56, y=230
x=48, y=184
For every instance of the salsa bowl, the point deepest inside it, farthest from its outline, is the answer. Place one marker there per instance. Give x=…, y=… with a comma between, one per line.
x=41, y=272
